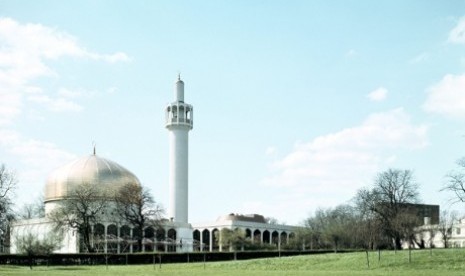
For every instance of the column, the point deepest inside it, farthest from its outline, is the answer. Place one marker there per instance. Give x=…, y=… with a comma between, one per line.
x=143, y=243
x=220, y=241
x=105, y=229
x=211, y=240
x=201, y=241
x=131, y=239
x=118, y=233
x=166, y=240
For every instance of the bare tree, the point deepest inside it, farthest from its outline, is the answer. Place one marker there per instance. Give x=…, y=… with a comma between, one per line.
x=34, y=209
x=331, y=228
x=8, y=183
x=312, y=232
x=456, y=182
x=135, y=205
x=391, y=195
x=446, y=222
x=368, y=225
x=84, y=207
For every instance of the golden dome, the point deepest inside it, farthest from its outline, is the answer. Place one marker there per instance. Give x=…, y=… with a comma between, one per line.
x=90, y=170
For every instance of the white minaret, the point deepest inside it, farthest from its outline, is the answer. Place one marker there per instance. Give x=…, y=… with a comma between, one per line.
x=179, y=121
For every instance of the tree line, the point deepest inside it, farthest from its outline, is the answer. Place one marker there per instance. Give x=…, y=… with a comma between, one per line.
x=382, y=216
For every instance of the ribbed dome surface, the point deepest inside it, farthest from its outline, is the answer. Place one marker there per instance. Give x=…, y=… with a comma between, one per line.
x=89, y=169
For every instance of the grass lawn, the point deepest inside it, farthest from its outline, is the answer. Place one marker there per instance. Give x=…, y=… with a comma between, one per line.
x=442, y=262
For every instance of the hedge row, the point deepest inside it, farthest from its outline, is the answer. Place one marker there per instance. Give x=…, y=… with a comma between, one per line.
x=145, y=258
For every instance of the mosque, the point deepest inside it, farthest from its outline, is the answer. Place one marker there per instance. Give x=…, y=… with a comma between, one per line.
x=175, y=234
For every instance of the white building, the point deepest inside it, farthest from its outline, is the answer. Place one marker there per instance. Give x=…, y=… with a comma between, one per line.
x=431, y=235
x=176, y=233
x=254, y=226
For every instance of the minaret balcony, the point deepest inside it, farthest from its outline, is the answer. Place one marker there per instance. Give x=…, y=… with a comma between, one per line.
x=179, y=122
x=179, y=114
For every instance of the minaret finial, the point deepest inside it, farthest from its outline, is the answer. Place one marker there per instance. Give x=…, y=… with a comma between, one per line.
x=179, y=76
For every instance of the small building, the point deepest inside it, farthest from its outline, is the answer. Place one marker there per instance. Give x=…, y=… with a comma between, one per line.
x=254, y=226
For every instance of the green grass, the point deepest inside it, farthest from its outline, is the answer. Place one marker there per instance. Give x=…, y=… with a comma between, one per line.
x=442, y=262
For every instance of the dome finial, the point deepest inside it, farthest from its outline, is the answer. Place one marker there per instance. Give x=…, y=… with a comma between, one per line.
x=94, y=144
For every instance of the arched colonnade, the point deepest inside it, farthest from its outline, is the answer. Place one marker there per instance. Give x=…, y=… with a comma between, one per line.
x=114, y=238
x=204, y=238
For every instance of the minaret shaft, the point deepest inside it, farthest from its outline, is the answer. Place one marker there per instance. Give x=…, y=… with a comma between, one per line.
x=179, y=171
x=179, y=121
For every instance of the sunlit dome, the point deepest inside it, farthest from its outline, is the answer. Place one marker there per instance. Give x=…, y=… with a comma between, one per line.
x=91, y=169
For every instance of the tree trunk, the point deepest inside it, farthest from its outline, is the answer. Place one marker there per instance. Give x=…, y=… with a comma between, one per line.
x=368, y=259
x=398, y=243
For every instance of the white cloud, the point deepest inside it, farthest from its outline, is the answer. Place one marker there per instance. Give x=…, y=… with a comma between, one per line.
x=10, y=106
x=57, y=104
x=447, y=97
x=270, y=151
x=330, y=168
x=24, y=52
x=70, y=94
x=31, y=154
x=116, y=57
x=420, y=58
x=457, y=34
x=378, y=94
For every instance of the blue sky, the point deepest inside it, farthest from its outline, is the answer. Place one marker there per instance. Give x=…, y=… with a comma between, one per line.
x=297, y=104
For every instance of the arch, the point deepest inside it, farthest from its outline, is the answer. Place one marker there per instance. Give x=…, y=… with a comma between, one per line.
x=160, y=237
x=149, y=239
x=283, y=238
x=196, y=238
x=112, y=238
x=125, y=239
x=181, y=113
x=174, y=113
x=172, y=234
x=171, y=240
x=215, y=239
x=125, y=232
x=275, y=237
x=137, y=234
x=99, y=237
x=266, y=237
x=248, y=233
x=257, y=236
x=99, y=230
x=112, y=230
x=149, y=232
x=206, y=239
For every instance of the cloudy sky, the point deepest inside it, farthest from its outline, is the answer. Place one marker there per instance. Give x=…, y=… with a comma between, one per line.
x=297, y=104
